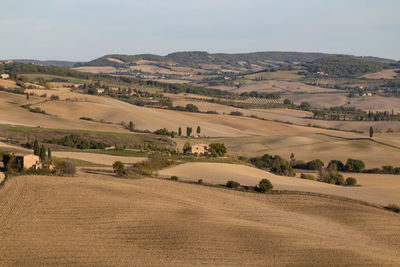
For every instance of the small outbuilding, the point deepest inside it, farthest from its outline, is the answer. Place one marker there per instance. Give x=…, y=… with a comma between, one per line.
x=200, y=148
x=27, y=161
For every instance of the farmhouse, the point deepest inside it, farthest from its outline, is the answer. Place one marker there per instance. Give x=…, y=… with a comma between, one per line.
x=5, y=76
x=200, y=148
x=100, y=91
x=27, y=161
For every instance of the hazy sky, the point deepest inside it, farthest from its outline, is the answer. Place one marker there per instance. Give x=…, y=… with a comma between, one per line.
x=87, y=29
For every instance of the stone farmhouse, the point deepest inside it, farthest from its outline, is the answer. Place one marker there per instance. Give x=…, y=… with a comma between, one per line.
x=200, y=148
x=28, y=161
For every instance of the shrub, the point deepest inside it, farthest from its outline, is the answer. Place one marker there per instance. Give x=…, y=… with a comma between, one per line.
x=307, y=176
x=339, y=164
x=218, y=149
x=232, y=184
x=174, y=178
x=264, y=186
x=118, y=167
x=236, y=113
x=350, y=181
x=200, y=181
x=315, y=164
x=393, y=207
x=354, y=165
x=65, y=168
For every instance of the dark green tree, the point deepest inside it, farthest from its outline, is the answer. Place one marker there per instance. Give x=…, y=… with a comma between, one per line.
x=371, y=132
x=198, y=131
x=42, y=153
x=187, y=148
x=180, y=131
x=218, y=149
x=119, y=167
x=36, y=149
x=264, y=186
x=131, y=126
x=188, y=131
x=49, y=154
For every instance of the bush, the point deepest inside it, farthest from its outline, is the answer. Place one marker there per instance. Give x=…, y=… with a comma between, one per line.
x=200, y=181
x=350, y=181
x=118, y=167
x=339, y=164
x=236, y=113
x=393, y=207
x=307, y=176
x=65, y=168
x=218, y=149
x=315, y=164
x=264, y=186
x=174, y=178
x=232, y=184
x=354, y=165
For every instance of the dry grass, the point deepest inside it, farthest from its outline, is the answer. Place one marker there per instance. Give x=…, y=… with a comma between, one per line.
x=383, y=74
x=382, y=190
x=102, y=221
x=98, y=158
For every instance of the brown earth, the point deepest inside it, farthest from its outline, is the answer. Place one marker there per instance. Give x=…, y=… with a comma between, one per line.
x=102, y=221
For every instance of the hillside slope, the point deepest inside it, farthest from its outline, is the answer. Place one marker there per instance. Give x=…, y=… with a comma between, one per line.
x=102, y=221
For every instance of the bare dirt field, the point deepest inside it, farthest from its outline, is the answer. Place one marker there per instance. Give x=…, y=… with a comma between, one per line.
x=376, y=103
x=98, y=158
x=379, y=189
x=8, y=83
x=273, y=86
x=100, y=220
x=319, y=100
x=96, y=70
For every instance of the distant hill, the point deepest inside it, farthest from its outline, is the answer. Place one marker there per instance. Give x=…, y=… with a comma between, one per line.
x=346, y=66
x=59, y=63
x=195, y=58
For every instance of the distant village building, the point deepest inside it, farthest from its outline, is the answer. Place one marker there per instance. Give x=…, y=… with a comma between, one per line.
x=200, y=148
x=28, y=161
x=100, y=91
x=5, y=76
x=369, y=94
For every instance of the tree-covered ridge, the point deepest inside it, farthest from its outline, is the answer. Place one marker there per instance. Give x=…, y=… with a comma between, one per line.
x=21, y=68
x=344, y=66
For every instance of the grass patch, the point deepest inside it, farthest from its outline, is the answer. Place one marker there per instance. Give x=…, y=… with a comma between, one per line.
x=122, y=153
x=78, y=162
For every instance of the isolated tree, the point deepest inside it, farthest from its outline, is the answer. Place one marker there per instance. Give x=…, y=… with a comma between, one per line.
x=118, y=167
x=36, y=149
x=180, y=131
x=27, y=97
x=292, y=160
x=264, y=186
x=49, y=154
x=131, y=126
x=42, y=153
x=188, y=131
x=198, y=131
x=371, y=132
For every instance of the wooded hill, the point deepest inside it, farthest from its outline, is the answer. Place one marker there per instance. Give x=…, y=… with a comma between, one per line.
x=191, y=59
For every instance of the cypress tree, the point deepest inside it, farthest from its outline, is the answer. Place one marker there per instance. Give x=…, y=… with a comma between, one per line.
x=180, y=131
x=42, y=153
x=36, y=147
x=49, y=153
x=371, y=132
x=198, y=130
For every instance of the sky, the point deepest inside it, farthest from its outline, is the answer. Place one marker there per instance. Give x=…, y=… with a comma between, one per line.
x=82, y=30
